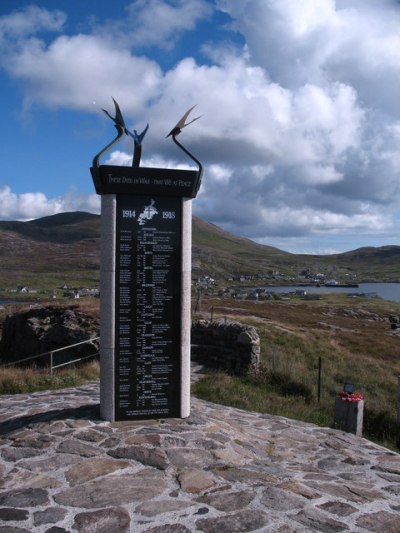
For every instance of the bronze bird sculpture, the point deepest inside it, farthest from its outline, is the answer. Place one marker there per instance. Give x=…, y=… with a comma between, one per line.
x=182, y=123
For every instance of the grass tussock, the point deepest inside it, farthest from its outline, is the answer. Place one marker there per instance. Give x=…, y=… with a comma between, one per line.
x=19, y=381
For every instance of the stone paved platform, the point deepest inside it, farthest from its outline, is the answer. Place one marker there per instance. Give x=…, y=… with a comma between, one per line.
x=222, y=470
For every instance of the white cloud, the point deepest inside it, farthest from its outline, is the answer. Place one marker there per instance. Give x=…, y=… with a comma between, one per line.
x=32, y=205
x=118, y=158
x=30, y=20
x=156, y=22
x=73, y=72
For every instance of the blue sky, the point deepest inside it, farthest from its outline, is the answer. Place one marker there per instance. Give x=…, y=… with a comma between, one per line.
x=300, y=126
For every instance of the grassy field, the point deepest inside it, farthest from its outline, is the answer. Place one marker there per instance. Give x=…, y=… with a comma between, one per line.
x=352, y=337
x=18, y=381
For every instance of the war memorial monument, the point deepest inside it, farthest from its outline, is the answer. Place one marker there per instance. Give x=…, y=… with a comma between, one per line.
x=145, y=282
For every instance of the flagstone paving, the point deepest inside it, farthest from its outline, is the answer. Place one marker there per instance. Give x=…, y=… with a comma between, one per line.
x=222, y=470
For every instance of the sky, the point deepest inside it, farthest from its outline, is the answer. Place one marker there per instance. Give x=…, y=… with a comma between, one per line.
x=299, y=132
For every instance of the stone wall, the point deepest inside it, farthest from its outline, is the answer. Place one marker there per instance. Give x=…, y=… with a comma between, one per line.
x=229, y=346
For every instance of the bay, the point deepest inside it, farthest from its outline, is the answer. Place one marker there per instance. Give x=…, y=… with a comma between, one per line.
x=387, y=291
x=11, y=302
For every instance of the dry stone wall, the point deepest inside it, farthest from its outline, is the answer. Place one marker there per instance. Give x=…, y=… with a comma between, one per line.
x=230, y=346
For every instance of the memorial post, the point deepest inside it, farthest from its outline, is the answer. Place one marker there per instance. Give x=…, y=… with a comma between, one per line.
x=145, y=284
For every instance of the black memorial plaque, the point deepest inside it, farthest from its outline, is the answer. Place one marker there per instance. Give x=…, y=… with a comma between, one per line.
x=110, y=179
x=148, y=307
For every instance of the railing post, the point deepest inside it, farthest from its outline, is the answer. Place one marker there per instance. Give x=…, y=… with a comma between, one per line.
x=51, y=364
x=398, y=400
x=319, y=378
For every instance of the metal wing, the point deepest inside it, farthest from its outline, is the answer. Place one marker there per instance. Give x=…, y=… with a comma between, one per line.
x=118, y=119
x=182, y=123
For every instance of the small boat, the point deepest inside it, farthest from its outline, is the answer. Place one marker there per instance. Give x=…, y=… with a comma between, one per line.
x=342, y=285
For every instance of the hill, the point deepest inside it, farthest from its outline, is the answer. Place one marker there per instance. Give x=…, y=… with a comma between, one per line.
x=63, y=227
x=64, y=249
x=221, y=254
x=369, y=263
x=48, y=252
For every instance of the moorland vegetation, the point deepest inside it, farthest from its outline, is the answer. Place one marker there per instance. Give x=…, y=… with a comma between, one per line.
x=352, y=337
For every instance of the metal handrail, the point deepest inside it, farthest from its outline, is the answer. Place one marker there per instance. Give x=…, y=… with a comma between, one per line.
x=51, y=352
x=52, y=367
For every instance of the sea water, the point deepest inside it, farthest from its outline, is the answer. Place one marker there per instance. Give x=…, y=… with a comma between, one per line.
x=387, y=291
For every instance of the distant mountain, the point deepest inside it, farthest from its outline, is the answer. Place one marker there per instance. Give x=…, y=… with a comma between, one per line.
x=371, y=263
x=63, y=227
x=49, y=252
x=383, y=254
x=64, y=249
x=219, y=253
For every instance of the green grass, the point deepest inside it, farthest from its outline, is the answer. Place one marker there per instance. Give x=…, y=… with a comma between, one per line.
x=273, y=398
x=46, y=284
x=20, y=381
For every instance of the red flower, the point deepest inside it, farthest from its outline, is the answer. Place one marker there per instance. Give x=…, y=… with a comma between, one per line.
x=347, y=397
